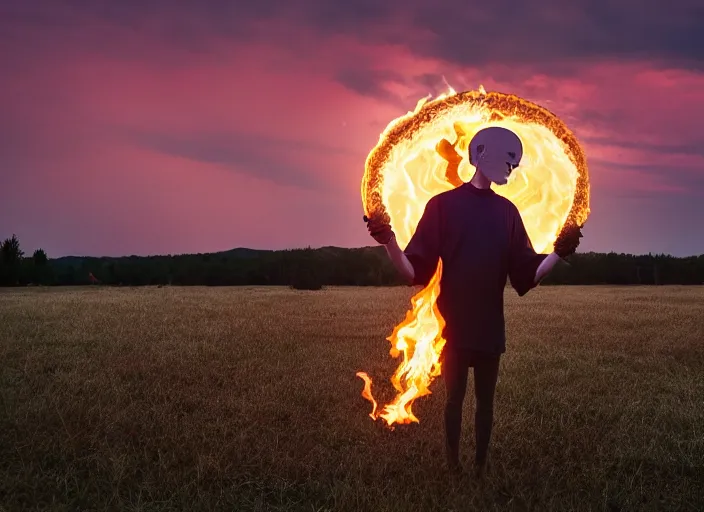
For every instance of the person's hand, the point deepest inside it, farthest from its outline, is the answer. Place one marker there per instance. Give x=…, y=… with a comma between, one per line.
x=448, y=152
x=380, y=229
x=568, y=240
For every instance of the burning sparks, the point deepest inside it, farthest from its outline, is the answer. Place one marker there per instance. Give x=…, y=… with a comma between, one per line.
x=550, y=189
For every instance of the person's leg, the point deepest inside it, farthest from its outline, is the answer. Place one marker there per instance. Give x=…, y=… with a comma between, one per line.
x=486, y=372
x=454, y=371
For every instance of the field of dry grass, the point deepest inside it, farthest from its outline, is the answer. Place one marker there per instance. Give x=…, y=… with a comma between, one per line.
x=246, y=399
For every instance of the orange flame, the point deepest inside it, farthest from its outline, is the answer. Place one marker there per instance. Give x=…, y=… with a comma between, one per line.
x=404, y=170
x=367, y=392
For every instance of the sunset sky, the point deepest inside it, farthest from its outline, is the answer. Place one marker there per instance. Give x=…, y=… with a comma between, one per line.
x=157, y=126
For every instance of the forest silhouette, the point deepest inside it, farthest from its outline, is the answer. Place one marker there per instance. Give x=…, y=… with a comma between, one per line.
x=308, y=269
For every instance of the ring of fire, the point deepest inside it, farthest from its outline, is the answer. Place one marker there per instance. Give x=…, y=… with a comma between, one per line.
x=550, y=189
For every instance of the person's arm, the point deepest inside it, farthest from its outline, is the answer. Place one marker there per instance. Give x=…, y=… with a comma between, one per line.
x=546, y=267
x=524, y=259
x=423, y=250
x=400, y=260
x=418, y=262
x=526, y=267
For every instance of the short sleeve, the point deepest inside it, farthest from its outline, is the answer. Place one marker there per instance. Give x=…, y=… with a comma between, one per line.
x=423, y=251
x=523, y=260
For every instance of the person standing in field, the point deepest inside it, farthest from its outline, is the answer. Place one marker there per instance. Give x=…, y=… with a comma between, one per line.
x=481, y=239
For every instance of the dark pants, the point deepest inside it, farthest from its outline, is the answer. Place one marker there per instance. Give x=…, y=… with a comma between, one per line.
x=455, y=370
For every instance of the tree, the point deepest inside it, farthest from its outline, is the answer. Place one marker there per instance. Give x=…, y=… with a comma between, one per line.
x=10, y=251
x=11, y=259
x=38, y=267
x=39, y=257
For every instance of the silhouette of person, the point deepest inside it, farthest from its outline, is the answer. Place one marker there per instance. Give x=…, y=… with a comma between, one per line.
x=482, y=241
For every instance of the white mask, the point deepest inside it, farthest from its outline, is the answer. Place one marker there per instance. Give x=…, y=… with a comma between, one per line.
x=495, y=152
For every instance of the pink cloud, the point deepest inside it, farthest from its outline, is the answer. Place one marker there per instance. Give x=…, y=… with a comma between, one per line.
x=88, y=116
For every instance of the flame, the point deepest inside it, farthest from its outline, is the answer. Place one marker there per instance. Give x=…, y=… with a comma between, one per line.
x=367, y=392
x=404, y=170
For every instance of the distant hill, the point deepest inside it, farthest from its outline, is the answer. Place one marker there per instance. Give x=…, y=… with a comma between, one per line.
x=243, y=252
x=237, y=253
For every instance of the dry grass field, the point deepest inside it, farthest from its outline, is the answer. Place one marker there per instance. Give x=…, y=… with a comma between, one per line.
x=246, y=399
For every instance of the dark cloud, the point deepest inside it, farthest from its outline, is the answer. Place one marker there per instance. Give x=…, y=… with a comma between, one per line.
x=369, y=82
x=512, y=31
x=690, y=180
x=515, y=31
x=695, y=150
x=267, y=158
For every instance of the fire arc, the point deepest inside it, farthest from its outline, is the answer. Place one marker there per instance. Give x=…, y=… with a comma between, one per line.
x=550, y=188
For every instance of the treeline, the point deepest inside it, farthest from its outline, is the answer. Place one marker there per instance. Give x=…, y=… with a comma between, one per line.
x=308, y=269
x=16, y=269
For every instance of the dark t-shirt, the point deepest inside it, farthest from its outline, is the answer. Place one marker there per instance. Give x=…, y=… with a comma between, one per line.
x=481, y=239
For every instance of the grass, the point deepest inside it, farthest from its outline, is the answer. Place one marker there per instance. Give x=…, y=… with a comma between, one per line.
x=246, y=399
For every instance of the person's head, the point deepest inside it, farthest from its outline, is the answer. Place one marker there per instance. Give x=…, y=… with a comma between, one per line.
x=495, y=152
